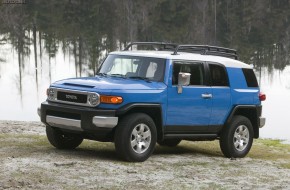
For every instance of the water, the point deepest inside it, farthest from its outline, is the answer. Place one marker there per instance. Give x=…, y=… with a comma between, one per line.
x=21, y=91
x=44, y=41
x=276, y=107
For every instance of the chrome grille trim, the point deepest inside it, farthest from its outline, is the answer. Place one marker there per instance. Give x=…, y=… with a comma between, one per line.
x=53, y=97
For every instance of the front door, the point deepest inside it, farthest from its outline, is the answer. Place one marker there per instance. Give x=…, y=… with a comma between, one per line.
x=190, y=110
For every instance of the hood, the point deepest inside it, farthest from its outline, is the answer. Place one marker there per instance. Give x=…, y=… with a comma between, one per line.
x=109, y=83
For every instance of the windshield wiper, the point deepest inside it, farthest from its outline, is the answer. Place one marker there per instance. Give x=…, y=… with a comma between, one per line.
x=118, y=75
x=138, y=77
x=102, y=74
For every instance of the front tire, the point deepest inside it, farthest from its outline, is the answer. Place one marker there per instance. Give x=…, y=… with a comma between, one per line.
x=135, y=137
x=237, y=138
x=62, y=140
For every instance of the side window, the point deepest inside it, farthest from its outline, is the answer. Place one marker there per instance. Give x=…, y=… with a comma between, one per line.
x=195, y=69
x=218, y=75
x=250, y=77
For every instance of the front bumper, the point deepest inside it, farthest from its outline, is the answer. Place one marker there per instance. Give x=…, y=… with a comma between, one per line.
x=77, y=118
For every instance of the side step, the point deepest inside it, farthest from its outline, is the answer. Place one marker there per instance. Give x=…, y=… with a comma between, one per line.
x=190, y=136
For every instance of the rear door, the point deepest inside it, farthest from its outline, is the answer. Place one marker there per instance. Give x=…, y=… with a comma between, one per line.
x=221, y=96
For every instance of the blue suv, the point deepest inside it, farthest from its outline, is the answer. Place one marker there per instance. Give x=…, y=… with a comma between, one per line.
x=158, y=92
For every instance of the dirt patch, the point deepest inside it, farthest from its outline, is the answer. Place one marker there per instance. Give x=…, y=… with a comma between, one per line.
x=22, y=127
x=28, y=161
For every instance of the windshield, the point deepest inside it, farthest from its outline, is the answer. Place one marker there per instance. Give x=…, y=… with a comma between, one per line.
x=134, y=67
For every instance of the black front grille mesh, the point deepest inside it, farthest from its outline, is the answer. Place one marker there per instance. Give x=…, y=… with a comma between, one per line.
x=72, y=97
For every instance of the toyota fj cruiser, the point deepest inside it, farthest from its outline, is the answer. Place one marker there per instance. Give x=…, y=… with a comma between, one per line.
x=165, y=94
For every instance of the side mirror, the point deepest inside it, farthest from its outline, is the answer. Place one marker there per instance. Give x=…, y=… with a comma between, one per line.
x=183, y=80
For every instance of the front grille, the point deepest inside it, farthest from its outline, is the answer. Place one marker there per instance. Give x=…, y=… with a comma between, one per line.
x=75, y=97
x=72, y=97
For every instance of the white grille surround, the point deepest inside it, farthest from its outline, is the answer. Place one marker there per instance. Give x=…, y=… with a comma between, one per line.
x=92, y=98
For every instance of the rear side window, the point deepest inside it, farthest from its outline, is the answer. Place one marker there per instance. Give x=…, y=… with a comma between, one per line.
x=250, y=77
x=218, y=75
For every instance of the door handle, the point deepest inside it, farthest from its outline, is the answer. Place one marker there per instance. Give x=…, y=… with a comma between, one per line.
x=206, y=96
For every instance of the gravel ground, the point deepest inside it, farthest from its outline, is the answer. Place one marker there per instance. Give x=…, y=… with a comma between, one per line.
x=28, y=161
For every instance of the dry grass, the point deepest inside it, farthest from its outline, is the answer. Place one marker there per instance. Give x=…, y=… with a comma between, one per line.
x=264, y=149
x=31, y=162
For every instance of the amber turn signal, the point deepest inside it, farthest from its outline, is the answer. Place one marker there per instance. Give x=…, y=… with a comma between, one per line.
x=111, y=99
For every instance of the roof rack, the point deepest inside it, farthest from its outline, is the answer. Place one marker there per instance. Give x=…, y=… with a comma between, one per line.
x=207, y=50
x=163, y=45
x=200, y=49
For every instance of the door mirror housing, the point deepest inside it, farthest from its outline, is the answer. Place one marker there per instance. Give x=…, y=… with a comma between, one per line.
x=183, y=80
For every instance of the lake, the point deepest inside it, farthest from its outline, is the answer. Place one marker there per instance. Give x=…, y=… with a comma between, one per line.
x=44, y=41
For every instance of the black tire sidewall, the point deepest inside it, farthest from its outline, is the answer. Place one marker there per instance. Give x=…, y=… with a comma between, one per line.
x=55, y=138
x=227, y=142
x=123, y=137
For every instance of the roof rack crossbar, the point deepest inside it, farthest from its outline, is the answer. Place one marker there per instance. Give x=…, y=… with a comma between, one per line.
x=169, y=46
x=207, y=50
x=223, y=54
x=201, y=49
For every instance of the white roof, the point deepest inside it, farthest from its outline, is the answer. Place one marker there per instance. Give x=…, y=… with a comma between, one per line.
x=227, y=62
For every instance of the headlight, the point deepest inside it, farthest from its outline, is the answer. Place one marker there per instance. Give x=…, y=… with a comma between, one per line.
x=94, y=99
x=51, y=93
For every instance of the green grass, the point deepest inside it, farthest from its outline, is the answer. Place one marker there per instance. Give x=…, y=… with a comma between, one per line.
x=287, y=165
x=21, y=140
x=268, y=149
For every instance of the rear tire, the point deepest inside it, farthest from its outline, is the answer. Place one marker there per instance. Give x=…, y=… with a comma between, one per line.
x=135, y=137
x=62, y=140
x=237, y=138
x=169, y=142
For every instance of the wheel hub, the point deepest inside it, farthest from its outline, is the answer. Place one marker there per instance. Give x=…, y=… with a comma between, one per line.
x=241, y=138
x=140, y=138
